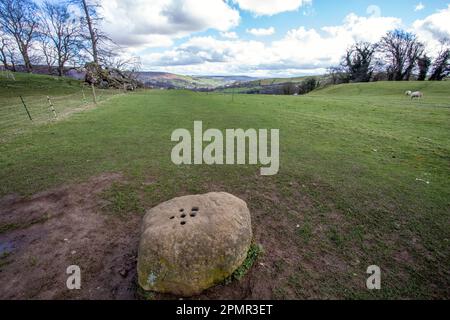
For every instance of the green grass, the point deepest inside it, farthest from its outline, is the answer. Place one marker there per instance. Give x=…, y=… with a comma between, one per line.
x=122, y=200
x=354, y=159
x=253, y=253
x=36, y=85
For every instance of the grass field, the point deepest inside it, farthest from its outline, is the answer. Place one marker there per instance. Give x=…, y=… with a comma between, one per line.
x=364, y=177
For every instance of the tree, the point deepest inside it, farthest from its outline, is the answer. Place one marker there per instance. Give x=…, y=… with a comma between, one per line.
x=358, y=62
x=441, y=66
x=424, y=63
x=48, y=51
x=289, y=88
x=18, y=20
x=99, y=46
x=308, y=85
x=8, y=52
x=338, y=75
x=401, y=49
x=90, y=12
x=61, y=35
x=4, y=44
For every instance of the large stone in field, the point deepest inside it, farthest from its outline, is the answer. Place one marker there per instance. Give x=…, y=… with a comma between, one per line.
x=191, y=243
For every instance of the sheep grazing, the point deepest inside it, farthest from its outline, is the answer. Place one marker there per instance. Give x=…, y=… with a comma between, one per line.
x=408, y=93
x=417, y=95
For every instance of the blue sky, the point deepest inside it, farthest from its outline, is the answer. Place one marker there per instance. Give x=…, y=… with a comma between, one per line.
x=332, y=12
x=262, y=37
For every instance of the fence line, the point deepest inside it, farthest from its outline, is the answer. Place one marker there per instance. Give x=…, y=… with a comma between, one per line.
x=16, y=112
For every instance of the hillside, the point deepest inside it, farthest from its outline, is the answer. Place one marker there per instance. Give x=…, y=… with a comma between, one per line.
x=34, y=85
x=175, y=81
x=66, y=95
x=269, y=85
x=385, y=88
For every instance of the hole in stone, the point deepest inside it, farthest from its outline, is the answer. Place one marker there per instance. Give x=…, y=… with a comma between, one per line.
x=183, y=223
x=183, y=215
x=173, y=217
x=181, y=210
x=195, y=209
x=193, y=214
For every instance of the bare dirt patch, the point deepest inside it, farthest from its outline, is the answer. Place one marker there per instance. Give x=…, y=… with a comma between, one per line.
x=43, y=235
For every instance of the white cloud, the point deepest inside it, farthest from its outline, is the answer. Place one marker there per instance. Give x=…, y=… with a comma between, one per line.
x=300, y=51
x=419, y=7
x=323, y=48
x=271, y=7
x=434, y=28
x=374, y=11
x=157, y=22
x=229, y=35
x=198, y=50
x=261, y=31
x=369, y=29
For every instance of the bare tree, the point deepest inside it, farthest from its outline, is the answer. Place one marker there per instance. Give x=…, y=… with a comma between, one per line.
x=3, y=50
x=338, y=75
x=130, y=68
x=441, y=65
x=99, y=43
x=18, y=19
x=62, y=32
x=401, y=50
x=90, y=12
x=121, y=61
x=48, y=51
x=8, y=53
x=289, y=88
x=357, y=62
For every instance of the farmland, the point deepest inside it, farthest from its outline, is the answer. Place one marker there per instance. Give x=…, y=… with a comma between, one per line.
x=364, y=180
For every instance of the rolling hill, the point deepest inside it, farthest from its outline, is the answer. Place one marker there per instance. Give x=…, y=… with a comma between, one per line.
x=175, y=81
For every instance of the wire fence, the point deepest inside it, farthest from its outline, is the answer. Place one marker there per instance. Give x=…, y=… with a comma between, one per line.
x=17, y=114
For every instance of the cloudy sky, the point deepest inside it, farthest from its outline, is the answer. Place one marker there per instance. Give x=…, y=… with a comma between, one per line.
x=262, y=37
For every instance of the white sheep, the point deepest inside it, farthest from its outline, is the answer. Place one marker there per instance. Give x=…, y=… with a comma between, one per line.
x=408, y=93
x=417, y=95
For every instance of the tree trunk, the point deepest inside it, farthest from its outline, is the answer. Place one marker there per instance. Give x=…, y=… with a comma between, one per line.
x=61, y=70
x=91, y=32
x=4, y=60
x=13, y=63
x=26, y=58
x=27, y=62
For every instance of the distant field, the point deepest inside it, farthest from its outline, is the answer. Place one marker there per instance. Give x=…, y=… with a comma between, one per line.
x=260, y=85
x=271, y=81
x=170, y=80
x=364, y=179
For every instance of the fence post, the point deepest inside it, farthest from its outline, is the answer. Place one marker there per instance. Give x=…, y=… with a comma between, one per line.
x=93, y=93
x=84, y=95
x=51, y=106
x=26, y=109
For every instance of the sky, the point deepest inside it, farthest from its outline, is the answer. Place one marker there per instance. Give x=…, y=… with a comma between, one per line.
x=262, y=38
